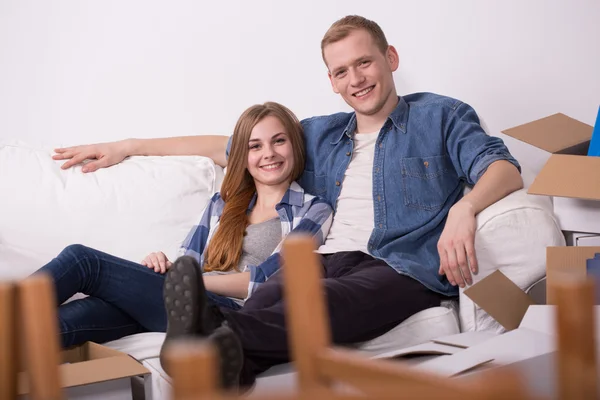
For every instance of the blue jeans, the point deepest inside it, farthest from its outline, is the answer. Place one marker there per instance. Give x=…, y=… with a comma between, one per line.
x=123, y=297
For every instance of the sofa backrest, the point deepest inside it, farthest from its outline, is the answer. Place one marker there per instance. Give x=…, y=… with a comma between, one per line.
x=142, y=205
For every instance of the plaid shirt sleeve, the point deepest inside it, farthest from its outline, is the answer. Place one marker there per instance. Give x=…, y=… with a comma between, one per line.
x=196, y=241
x=315, y=218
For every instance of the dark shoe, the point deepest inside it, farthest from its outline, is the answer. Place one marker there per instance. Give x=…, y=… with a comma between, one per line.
x=186, y=304
x=231, y=356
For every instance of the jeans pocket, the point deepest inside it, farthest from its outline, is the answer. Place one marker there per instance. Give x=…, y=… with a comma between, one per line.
x=427, y=181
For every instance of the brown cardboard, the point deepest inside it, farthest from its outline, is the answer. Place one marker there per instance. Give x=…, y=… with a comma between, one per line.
x=569, y=260
x=569, y=176
x=91, y=363
x=501, y=299
x=569, y=172
x=556, y=133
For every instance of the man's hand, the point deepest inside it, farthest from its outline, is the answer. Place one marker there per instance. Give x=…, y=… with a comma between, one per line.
x=105, y=154
x=157, y=261
x=457, y=245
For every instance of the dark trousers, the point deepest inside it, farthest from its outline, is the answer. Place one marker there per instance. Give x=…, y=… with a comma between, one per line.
x=365, y=299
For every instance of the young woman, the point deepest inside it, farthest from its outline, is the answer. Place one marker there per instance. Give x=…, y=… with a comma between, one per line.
x=236, y=243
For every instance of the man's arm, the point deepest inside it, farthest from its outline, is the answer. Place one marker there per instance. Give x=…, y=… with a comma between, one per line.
x=457, y=242
x=107, y=154
x=230, y=285
x=499, y=180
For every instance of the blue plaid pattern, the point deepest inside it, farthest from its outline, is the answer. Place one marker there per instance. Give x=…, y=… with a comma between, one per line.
x=298, y=212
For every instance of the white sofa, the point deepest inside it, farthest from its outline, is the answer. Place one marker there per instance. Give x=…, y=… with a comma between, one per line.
x=148, y=204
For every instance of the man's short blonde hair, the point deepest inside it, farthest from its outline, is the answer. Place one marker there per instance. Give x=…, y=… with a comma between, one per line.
x=340, y=29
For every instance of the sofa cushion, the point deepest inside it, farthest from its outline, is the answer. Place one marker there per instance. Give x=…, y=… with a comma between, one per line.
x=419, y=328
x=512, y=236
x=142, y=205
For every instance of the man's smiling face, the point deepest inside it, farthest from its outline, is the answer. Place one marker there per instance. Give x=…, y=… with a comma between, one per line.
x=361, y=73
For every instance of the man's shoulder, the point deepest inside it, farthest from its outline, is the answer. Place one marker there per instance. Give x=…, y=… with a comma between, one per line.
x=331, y=121
x=431, y=100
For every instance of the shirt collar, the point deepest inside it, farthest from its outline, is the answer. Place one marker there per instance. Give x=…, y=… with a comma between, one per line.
x=398, y=117
x=294, y=196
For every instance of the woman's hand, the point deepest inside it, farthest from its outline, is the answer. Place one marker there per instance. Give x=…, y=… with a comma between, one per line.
x=157, y=261
x=103, y=154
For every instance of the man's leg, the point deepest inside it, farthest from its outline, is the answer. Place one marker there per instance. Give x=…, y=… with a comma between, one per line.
x=365, y=298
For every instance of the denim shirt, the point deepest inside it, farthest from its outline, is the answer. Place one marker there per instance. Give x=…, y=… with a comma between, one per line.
x=427, y=150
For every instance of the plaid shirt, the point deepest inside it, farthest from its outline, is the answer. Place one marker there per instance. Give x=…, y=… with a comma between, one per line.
x=298, y=212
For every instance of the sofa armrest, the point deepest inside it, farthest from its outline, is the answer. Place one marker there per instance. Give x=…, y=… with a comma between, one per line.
x=512, y=236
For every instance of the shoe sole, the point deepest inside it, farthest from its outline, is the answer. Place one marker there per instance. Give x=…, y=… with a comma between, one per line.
x=184, y=298
x=231, y=356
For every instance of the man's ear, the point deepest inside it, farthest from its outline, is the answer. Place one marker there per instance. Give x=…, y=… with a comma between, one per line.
x=392, y=58
x=333, y=86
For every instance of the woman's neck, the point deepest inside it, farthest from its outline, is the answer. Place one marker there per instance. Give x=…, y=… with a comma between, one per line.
x=267, y=197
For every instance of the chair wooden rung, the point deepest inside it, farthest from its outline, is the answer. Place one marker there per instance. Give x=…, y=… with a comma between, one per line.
x=28, y=323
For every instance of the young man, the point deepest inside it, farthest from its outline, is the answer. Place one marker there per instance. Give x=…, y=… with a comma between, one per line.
x=402, y=238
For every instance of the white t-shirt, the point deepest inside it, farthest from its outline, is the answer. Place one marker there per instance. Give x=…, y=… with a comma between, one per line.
x=354, y=218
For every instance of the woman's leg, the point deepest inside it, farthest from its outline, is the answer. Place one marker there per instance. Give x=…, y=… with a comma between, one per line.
x=95, y=320
x=132, y=288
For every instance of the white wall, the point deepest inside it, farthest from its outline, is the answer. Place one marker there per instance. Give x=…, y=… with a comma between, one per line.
x=75, y=71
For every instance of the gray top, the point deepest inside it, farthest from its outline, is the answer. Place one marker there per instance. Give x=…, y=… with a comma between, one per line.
x=259, y=243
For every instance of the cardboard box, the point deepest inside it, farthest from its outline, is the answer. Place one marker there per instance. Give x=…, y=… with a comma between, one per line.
x=559, y=144
x=582, y=239
x=507, y=303
x=92, y=371
x=566, y=260
x=531, y=327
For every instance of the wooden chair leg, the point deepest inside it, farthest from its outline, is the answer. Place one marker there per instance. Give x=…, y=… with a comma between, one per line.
x=8, y=355
x=194, y=369
x=577, y=367
x=37, y=310
x=308, y=326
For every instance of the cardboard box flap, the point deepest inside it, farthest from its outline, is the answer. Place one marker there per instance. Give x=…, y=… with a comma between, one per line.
x=569, y=176
x=88, y=351
x=557, y=133
x=501, y=299
x=95, y=371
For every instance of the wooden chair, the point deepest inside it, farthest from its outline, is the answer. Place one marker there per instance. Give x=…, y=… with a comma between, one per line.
x=321, y=365
x=8, y=355
x=29, y=309
x=576, y=356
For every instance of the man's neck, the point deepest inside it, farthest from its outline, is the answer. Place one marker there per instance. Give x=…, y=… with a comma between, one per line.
x=373, y=123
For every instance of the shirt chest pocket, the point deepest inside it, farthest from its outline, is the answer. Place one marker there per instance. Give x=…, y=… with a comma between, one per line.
x=427, y=182
x=314, y=184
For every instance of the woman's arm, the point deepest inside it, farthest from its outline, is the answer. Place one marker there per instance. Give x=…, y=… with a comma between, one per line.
x=197, y=239
x=230, y=285
x=107, y=154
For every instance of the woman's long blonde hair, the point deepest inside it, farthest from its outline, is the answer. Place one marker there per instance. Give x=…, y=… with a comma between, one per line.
x=225, y=248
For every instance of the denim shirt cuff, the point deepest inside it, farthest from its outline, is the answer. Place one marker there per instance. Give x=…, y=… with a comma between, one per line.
x=486, y=160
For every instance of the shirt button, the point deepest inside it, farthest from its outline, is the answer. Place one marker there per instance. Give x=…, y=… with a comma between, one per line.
x=380, y=145
x=378, y=198
x=348, y=153
x=381, y=225
x=337, y=183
